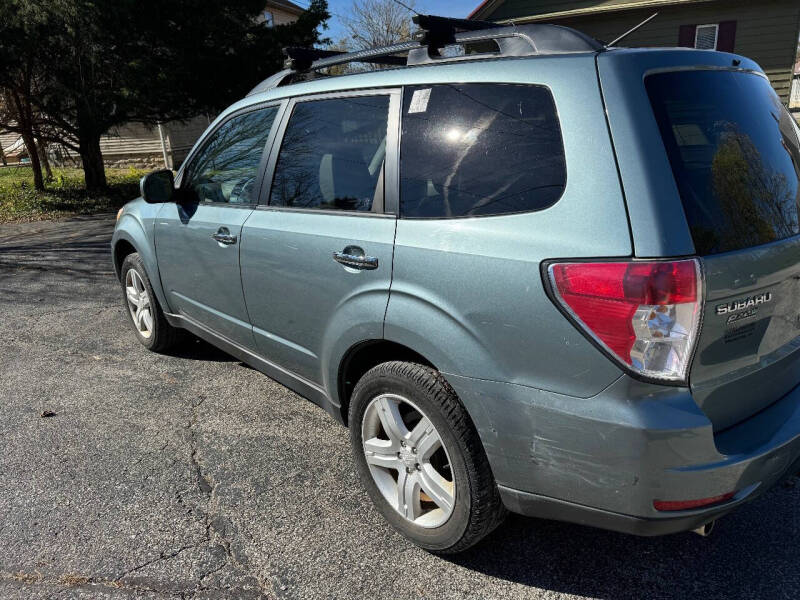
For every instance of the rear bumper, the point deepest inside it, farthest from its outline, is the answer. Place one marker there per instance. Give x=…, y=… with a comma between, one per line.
x=533, y=505
x=602, y=461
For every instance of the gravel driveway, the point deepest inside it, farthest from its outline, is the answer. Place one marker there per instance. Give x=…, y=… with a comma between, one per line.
x=193, y=475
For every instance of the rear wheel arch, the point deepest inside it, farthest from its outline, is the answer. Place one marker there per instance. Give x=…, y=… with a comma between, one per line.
x=365, y=355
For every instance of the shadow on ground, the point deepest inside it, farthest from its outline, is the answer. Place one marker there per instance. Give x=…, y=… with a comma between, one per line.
x=752, y=553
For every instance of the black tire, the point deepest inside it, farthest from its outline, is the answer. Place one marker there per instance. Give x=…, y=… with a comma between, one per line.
x=477, y=509
x=163, y=335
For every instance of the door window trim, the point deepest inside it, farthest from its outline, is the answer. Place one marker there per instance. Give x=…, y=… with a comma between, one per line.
x=265, y=153
x=391, y=167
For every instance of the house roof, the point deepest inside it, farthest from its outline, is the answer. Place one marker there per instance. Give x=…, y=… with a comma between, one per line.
x=286, y=5
x=482, y=6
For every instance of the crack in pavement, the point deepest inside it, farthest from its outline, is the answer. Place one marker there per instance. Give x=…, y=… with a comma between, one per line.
x=216, y=526
x=74, y=581
x=219, y=537
x=161, y=556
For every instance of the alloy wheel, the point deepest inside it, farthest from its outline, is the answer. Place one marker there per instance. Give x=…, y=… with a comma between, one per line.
x=408, y=460
x=139, y=303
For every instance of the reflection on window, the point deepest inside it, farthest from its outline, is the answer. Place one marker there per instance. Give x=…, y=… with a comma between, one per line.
x=479, y=149
x=226, y=168
x=735, y=156
x=332, y=155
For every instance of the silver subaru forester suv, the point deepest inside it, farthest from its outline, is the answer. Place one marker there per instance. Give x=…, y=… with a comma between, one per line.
x=533, y=274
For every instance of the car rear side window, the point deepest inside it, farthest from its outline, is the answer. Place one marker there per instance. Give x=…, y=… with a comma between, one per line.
x=226, y=167
x=735, y=155
x=479, y=149
x=332, y=155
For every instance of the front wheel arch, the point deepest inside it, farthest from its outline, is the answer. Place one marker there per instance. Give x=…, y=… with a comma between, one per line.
x=120, y=251
x=129, y=238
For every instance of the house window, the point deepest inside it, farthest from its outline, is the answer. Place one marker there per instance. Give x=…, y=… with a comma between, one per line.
x=269, y=19
x=705, y=37
x=794, y=101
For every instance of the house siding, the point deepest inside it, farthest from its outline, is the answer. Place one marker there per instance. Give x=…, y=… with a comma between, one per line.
x=6, y=141
x=180, y=137
x=130, y=139
x=767, y=32
x=511, y=9
x=280, y=16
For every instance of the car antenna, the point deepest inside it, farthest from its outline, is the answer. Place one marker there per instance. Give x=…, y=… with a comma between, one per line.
x=630, y=31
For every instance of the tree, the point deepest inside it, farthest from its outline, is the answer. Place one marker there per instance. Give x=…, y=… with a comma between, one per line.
x=375, y=23
x=19, y=81
x=121, y=61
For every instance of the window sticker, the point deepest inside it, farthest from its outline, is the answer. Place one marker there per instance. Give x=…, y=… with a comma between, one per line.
x=419, y=101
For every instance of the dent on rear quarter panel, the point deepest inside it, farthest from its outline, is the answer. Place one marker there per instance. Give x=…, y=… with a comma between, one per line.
x=589, y=451
x=467, y=293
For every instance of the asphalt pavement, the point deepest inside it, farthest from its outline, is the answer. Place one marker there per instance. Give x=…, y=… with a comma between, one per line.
x=192, y=475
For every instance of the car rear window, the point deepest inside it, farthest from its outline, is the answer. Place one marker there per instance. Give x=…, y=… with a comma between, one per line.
x=479, y=149
x=735, y=154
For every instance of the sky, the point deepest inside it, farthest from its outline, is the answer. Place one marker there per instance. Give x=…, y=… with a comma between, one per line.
x=445, y=8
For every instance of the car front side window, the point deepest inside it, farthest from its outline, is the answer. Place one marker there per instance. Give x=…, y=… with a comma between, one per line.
x=226, y=168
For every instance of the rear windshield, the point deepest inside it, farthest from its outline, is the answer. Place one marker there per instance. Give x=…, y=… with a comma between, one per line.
x=735, y=154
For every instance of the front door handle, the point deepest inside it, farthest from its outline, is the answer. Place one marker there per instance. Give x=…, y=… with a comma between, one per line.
x=223, y=236
x=354, y=257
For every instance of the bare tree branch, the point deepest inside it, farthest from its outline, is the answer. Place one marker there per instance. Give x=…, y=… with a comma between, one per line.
x=374, y=23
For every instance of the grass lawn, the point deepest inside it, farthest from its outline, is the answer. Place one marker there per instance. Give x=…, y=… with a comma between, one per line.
x=64, y=195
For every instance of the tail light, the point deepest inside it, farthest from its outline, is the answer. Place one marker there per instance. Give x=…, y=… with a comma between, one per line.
x=644, y=314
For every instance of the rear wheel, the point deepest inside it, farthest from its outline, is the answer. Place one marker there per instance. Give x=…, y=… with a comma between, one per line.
x=147, y=318
x=420, y=458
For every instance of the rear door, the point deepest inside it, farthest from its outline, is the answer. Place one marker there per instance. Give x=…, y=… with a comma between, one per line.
x=198, y=238
x=317, y=255
x=734, y=151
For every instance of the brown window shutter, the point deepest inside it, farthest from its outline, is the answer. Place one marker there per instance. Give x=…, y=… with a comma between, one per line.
x=726, y=37
x=686, y=36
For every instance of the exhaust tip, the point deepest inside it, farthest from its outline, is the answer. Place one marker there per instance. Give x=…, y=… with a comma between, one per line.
x=705, y=530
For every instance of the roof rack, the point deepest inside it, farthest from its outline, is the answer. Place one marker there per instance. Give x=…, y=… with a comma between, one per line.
x=438, y=32
x=435, y=33
x=302, y=59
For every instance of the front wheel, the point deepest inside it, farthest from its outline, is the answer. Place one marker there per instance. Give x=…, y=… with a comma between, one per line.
x=147, y=318
x=419, y=457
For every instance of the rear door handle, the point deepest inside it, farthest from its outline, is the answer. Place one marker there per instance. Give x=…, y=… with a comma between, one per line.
x=354, y=257
x=223, y=236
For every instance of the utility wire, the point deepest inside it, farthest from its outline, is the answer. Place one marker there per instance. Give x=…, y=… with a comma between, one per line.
x=406, y=6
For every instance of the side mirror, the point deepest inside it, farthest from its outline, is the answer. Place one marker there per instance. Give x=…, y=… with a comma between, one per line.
x=158, y=187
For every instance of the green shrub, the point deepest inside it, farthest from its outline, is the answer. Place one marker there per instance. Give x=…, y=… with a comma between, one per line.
x=65, y=195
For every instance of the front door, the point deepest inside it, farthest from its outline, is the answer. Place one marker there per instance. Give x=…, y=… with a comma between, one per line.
x=198, y=238
x=317, y=257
